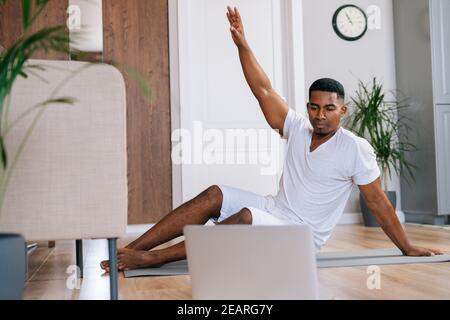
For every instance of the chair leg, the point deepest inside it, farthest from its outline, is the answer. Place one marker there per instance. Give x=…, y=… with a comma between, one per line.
x=79, y=257
x=113, y=282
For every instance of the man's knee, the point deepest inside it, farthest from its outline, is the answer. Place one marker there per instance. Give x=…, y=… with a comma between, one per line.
x=245, y=216
x=214, y=196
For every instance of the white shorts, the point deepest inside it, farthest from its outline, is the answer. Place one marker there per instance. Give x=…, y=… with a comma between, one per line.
x=264, y=210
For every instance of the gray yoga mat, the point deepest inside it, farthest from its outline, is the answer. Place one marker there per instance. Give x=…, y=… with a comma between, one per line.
x=177, y=268
x=372, y=257
x=324, y=260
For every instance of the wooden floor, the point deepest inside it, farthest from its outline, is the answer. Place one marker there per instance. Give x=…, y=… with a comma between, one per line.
x=48, y=277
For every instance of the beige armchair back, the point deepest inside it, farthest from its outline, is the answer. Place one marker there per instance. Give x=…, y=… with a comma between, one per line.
x=71, y=180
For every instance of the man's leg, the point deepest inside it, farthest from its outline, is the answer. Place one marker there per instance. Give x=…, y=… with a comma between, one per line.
x=199, y=210
x=131, y=259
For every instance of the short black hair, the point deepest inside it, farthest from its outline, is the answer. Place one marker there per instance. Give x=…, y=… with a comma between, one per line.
x=328, y=85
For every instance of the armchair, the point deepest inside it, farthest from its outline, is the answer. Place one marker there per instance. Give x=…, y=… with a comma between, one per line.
x=70, y=182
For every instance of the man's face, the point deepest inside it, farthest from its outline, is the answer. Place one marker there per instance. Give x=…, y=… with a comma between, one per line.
x=325, y=111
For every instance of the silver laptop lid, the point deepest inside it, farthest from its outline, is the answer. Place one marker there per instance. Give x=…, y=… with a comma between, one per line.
x=235, y=262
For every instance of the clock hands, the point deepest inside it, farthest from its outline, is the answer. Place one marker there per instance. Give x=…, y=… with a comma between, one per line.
x=350, y=20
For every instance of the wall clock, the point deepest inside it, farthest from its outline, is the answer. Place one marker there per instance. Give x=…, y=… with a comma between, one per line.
x=350, y=22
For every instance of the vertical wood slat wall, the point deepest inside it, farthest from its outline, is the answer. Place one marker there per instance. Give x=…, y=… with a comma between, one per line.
x=135, y=35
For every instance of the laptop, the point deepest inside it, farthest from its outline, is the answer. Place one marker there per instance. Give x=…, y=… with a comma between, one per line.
x=242, y=262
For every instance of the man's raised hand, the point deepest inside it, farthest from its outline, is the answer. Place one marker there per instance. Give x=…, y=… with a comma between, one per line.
x=236, y=27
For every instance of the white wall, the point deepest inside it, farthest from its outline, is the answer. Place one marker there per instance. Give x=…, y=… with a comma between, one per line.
x=326, y=55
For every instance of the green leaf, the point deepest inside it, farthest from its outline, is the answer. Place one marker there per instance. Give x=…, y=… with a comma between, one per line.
x=4, y=157
x=139, y=78
x=26, y=14
x=23, y=74
x=30, y=13
x=63, y=100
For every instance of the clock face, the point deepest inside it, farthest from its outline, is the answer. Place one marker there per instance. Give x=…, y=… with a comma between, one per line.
x=350, y=22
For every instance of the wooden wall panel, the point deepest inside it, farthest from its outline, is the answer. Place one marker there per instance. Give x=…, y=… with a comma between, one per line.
x=136, y=35
x=11, y=23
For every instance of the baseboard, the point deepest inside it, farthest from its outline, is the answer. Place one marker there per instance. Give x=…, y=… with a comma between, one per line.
x=426, y=219
x=351, y=218
x=138, y=228
x=401, y=216
x=346, y=218
x=356, y=217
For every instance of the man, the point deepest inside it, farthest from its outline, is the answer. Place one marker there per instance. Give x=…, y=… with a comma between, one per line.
x=323, y=161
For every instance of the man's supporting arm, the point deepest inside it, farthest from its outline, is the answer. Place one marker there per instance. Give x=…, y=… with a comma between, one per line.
x=384, y=213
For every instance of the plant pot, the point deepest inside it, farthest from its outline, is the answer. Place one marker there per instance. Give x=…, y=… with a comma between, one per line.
x=368, y=216
x=13, y=257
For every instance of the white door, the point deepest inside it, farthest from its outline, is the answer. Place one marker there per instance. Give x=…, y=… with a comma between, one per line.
x=442, y=157
x=224, y=136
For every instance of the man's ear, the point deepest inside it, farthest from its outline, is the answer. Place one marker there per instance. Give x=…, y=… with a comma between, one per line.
x=344, y=110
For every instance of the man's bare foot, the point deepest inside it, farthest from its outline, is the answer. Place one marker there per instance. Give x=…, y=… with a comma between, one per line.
x=133, y=259
x=105, y=263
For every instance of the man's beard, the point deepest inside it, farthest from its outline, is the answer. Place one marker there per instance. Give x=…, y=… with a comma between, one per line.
x=322, y=134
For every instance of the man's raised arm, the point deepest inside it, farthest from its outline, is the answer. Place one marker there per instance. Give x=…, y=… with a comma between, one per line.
x=275, y=109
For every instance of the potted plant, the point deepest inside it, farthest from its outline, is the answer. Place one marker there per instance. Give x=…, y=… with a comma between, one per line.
x=376, y=118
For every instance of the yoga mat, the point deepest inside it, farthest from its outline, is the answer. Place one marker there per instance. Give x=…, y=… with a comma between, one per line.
x=324, y=260
x=372, y=257
x=333, y=255
x=177, y=268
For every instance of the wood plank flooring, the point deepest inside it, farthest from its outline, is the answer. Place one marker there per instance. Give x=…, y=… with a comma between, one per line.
x=48, y=278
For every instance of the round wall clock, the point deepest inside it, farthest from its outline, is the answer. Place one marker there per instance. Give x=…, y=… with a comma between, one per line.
x=350, y=22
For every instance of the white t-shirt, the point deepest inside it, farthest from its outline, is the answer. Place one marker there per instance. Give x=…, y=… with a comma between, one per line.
x=316, y=185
